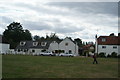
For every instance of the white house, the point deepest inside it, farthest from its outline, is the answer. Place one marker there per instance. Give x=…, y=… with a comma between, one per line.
x=107, y=44
x=69, y=46
x=4, y=48
x=54, y=46
x=30, y=47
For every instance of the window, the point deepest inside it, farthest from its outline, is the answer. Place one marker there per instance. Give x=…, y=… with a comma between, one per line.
x=35, y=43
x=25, y=50
x=22, y=43
x=103, y=46
x=54, y=41
x=18, y=50
x=33, y=50
x=70, y=51
x=66, y=44
x=43, y=43
x=114, y=47
x=103, y=39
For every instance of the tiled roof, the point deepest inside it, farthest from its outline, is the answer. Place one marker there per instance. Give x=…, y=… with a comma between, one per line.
x=87, y=46
x=110, y=40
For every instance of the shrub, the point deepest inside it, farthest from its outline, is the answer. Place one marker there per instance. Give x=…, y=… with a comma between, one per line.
x=119, y=56
x=108, y=55
x=43, y=50
x=114, y=54
x=102, y=54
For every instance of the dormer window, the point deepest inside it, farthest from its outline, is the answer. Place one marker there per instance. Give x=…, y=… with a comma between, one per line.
x=66, y=44
x=35, y=43
x=43, y=43
x=103, y=39
x=54, y=41
x=22, y=43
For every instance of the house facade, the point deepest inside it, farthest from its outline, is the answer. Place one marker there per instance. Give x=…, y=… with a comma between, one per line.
x=88, y=49
x=108, y=44
x=55, y=46
x=4, y=47
x=69, y=46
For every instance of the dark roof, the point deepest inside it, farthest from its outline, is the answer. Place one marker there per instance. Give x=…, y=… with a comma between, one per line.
x=110, y=40
x=29, y=44
x=42, y=47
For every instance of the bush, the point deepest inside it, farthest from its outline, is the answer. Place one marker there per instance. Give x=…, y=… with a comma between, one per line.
x=119, y=56
x=43, y=50
x=102, y=54
x=114, y=54
x=108, y=55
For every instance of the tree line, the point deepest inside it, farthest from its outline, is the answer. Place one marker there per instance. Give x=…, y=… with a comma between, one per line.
x=15, y=33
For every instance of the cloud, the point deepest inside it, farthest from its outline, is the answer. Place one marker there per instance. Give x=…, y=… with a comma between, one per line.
x=88, y=7
x=6, y=19
x=74, y=19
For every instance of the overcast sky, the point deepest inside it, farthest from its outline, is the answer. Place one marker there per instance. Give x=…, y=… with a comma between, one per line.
x=73, y=19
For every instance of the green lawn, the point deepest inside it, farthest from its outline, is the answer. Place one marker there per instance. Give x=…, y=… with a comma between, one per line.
x=20, y=66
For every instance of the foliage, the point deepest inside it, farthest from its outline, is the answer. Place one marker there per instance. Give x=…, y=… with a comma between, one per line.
x=102, y=54
x=112, y=34
x=79, y=41
x=118, y=34
x=51, y=37
x=114, y=54
x=108, y=55
x=43, y=50
x=15, y=33
x=119, y=56
x=36, y=37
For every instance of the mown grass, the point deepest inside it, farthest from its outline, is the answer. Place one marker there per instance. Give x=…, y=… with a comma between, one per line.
x=20, y=66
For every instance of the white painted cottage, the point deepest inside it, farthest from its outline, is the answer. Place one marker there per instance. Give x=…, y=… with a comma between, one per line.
x=4, y=47
x=67, y=45
x=108, y=44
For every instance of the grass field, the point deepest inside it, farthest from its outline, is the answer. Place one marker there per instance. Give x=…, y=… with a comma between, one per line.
x=20, y=66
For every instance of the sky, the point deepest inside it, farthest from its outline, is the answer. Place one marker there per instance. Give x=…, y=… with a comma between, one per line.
x=75, y=19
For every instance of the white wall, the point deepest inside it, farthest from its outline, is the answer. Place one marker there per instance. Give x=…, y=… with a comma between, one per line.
x=36, y=50
x=53, y=46
x=4, y=48
x=108, y=50
x=71, y=46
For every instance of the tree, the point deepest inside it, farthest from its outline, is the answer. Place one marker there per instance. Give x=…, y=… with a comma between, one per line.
x=36, y=38
x=112, y=34
x=79, y=41
x=27, y=35
x=114, y=54
x=15, y=33
x=118, y=34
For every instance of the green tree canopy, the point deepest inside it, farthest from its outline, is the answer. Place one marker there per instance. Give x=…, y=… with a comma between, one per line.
x=36, y=37
x=118, y=34
x=15, y=33
x=79, y=41
x=112, y=34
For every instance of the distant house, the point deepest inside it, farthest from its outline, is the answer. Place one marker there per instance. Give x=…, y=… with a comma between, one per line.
x=69, y=46
x=4, y=47
x=88, y=49
x=107, y=44
x=29, y=47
